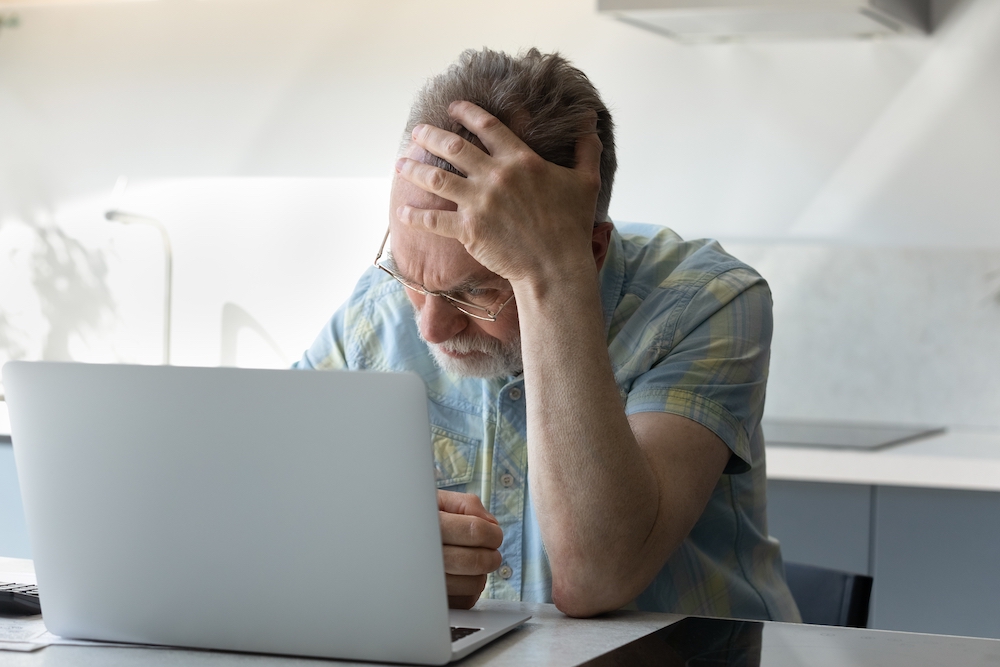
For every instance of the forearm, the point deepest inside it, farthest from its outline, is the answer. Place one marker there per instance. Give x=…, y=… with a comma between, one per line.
x=595, y=492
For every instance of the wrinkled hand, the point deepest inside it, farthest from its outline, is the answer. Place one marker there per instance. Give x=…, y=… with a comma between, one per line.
x=518, y=215
x=471, y=538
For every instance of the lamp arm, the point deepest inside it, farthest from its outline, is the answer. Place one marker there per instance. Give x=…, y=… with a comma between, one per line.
x=168, y=267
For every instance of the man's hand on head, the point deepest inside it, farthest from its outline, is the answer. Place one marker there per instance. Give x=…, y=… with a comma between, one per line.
x=471, y=538
x=518, y=215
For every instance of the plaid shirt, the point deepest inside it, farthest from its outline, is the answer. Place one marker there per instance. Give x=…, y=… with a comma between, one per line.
x=689, y=330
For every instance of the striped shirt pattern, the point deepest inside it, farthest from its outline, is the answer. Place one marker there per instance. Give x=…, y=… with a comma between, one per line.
x=688, y=330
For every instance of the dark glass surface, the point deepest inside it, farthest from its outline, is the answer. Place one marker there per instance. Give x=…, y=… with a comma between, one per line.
x=714, y=642
x=841, y=435
x=691, y=642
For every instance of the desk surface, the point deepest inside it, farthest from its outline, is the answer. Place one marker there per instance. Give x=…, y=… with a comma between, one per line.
x=552, y=639
x=629, y=638
x=548, y=639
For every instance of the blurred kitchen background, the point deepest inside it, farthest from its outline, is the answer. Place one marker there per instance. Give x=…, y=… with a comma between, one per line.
x=860, y=176
x=248, y=145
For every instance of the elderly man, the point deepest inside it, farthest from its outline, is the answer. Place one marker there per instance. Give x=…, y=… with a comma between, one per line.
x=595, y=393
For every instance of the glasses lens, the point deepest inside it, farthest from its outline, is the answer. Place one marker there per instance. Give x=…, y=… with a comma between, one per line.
x=481, y=303
x=481, y=298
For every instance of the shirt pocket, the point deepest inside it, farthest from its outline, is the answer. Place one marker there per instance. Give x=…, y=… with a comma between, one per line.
x=454, y=457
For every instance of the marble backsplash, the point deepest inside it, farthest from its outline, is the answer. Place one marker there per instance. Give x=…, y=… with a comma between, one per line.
x=892, y=334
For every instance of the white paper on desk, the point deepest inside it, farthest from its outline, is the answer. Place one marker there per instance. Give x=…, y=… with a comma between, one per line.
x=23, y=647
x=29, y=634
x=23, y=633
x=64, y=641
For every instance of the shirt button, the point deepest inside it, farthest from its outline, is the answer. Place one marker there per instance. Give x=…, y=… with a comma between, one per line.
x=507, y=479
x=505, y=571
x=515, y=394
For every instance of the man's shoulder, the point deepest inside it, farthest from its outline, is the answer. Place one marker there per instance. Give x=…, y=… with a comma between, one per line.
x=657, y=257
x=376, y=324
x=372, y=286
x=380, y=333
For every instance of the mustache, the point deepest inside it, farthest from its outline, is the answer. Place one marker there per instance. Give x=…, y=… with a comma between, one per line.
x=464, y=344
x=493, y=358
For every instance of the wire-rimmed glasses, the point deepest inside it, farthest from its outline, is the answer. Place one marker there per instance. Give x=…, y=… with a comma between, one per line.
x=482, y=303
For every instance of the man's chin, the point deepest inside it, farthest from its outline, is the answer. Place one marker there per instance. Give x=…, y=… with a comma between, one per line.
x=474, y=364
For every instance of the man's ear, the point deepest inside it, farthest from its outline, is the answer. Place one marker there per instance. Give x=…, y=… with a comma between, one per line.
x=601, y=241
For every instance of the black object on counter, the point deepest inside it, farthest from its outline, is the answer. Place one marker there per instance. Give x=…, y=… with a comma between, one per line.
x=20, y=599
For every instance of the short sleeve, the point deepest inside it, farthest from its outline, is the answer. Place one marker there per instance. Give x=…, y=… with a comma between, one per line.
x=335, y=348
x=712, y=362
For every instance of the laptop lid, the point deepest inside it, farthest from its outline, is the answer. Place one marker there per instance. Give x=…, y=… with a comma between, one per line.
x=269, y=511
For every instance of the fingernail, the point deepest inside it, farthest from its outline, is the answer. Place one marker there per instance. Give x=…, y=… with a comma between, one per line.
x=417, y=130
x=399, y=212
x=399, y=164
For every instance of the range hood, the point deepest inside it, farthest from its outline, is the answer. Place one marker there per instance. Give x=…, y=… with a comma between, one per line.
x=721, y=20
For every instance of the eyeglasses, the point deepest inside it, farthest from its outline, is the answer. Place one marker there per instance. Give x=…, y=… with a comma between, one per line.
x=478, y=302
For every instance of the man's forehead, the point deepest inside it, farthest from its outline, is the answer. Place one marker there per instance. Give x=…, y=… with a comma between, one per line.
x=435, y=261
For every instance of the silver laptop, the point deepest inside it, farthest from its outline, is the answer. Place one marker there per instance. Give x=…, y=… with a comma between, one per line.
x=287, y=512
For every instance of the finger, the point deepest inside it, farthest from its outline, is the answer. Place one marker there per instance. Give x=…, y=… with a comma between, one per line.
x=442, y=223
x=433, y=179
x=465, y=156
x=589, y=149
x=465, y=586
x=496, y=136
x=470, y=560
x=463, y=503
x=462, y=602
x=469, y=531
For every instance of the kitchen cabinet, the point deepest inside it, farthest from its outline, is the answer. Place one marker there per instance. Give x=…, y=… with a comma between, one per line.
x=922, y=518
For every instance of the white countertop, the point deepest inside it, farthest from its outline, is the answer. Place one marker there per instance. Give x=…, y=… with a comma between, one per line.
x=960, y=458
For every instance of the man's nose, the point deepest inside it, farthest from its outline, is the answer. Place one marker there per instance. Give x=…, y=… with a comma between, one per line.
x=439, y=320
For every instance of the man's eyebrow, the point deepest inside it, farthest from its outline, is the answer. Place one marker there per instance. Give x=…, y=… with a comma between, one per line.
x=469, y=284
x=390, y=262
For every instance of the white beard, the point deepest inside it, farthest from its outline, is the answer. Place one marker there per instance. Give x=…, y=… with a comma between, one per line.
x=490, y=358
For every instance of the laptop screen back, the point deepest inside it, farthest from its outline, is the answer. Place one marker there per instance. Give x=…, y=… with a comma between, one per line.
x=255, y=510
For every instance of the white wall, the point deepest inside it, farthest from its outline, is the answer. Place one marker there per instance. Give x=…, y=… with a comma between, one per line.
x=262, y=132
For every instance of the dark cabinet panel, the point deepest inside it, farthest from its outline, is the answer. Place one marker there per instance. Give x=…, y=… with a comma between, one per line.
x=821, y=524
x=937, y=561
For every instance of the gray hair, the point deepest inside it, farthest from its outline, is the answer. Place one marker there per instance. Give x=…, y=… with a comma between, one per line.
x=542, y=98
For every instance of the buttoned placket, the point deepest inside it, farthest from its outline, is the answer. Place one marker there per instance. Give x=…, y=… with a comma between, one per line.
x=509, y=479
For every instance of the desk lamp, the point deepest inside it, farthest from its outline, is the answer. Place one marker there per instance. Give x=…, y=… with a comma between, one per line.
x=168, y=262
